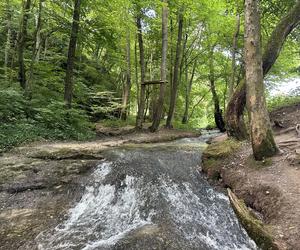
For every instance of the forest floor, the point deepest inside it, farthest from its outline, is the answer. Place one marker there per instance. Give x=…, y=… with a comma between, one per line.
x=270, y=187
x=39, y=182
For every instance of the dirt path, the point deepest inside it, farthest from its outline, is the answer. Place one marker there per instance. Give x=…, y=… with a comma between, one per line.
x=271, y=187
x=41, y=181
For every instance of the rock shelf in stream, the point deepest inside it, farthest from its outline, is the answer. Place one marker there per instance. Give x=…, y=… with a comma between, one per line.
x=149, y=198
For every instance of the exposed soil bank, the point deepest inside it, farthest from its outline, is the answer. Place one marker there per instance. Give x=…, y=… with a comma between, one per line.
x=41, y=181
x=271, y=188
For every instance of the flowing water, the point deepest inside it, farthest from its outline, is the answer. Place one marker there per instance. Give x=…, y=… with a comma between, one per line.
x=150, y=197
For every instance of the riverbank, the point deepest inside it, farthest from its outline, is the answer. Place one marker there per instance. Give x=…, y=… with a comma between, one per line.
x=271, y=188
x=40, y=182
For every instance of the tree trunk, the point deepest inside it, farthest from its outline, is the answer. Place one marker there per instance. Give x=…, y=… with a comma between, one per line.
x=217, y=110
x=127, y=89
x=8, y=38
x=159, y=107
x=22, y=44
x=185, y=117
x=262, y=139
x=71, y=55
x=174, y=87
x=136, y=73
x=234, y=50
x=37, y=42
x=35, y=47
x=139, y=118
x=234, y=114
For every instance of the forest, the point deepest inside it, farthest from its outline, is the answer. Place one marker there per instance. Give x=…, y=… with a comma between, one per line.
x=149, y=124
x=66, y=65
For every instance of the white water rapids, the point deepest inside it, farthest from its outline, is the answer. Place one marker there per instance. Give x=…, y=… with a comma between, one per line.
x=116, y=209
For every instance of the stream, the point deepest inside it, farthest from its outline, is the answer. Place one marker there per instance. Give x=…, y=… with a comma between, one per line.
x=150, y=196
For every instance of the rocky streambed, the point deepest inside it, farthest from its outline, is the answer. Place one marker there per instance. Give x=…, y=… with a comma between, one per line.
x=145, y=196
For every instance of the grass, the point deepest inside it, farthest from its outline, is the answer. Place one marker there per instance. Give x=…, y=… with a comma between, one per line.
x=25, y=131
x=118, y=123
x=282, y=101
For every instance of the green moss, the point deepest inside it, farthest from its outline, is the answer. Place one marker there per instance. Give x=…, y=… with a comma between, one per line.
x=214, y=155
x=255, y=228
x=251, y=162
x=220, y=150
x=267, y=148
x=212, y=168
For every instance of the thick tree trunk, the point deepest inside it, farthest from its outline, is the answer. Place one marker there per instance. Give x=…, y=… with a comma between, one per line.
x=175, y=82
x=217, y=110
x=262, y=139
x=234, y=50
x=22, y=44
x=235, y=124
x=71, y=55
x=234, y=114
x=159, y=107
x=127, y=89
x=140, y=115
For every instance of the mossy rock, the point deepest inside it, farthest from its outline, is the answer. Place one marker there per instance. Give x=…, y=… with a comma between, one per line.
x=212, y=168
x=214, y=155
x=255, y=228
x=220, y=150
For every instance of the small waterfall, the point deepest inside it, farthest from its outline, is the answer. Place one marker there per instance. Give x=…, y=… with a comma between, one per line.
x=100, y=218
x=149, y=188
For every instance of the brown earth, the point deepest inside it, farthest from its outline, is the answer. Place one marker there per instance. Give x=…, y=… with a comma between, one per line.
x=271, y=188
x=41, y=181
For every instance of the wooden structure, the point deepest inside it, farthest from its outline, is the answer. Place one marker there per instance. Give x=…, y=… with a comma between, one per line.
x=154, y=82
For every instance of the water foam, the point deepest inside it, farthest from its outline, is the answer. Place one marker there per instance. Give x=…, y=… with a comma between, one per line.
x=200, y=223
x=103, y=216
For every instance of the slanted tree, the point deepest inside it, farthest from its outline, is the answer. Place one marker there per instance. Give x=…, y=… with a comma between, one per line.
x=71, y=54
x=263, y=143
x=212, y=80
x=235, y=109
x=163, y=69
x=175, y=82
x=22, y=36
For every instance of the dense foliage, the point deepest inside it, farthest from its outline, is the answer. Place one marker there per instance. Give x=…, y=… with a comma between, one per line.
x=107, y=29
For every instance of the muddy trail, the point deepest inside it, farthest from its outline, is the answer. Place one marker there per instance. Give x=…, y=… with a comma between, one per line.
x=146, y=196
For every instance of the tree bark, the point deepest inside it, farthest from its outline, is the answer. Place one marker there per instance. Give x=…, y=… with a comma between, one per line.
x=35, y=47
x=262, y=139
x=234, y=114
x=185, y=117
x=136, y=72
x=22, y=44
x=175, y=82
x=71, y=55
x=234, y=50
x=159, y=107
x=139, y=118
x=127, y=89
x=217, y=110
x=8, y=38
x=37, y=42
